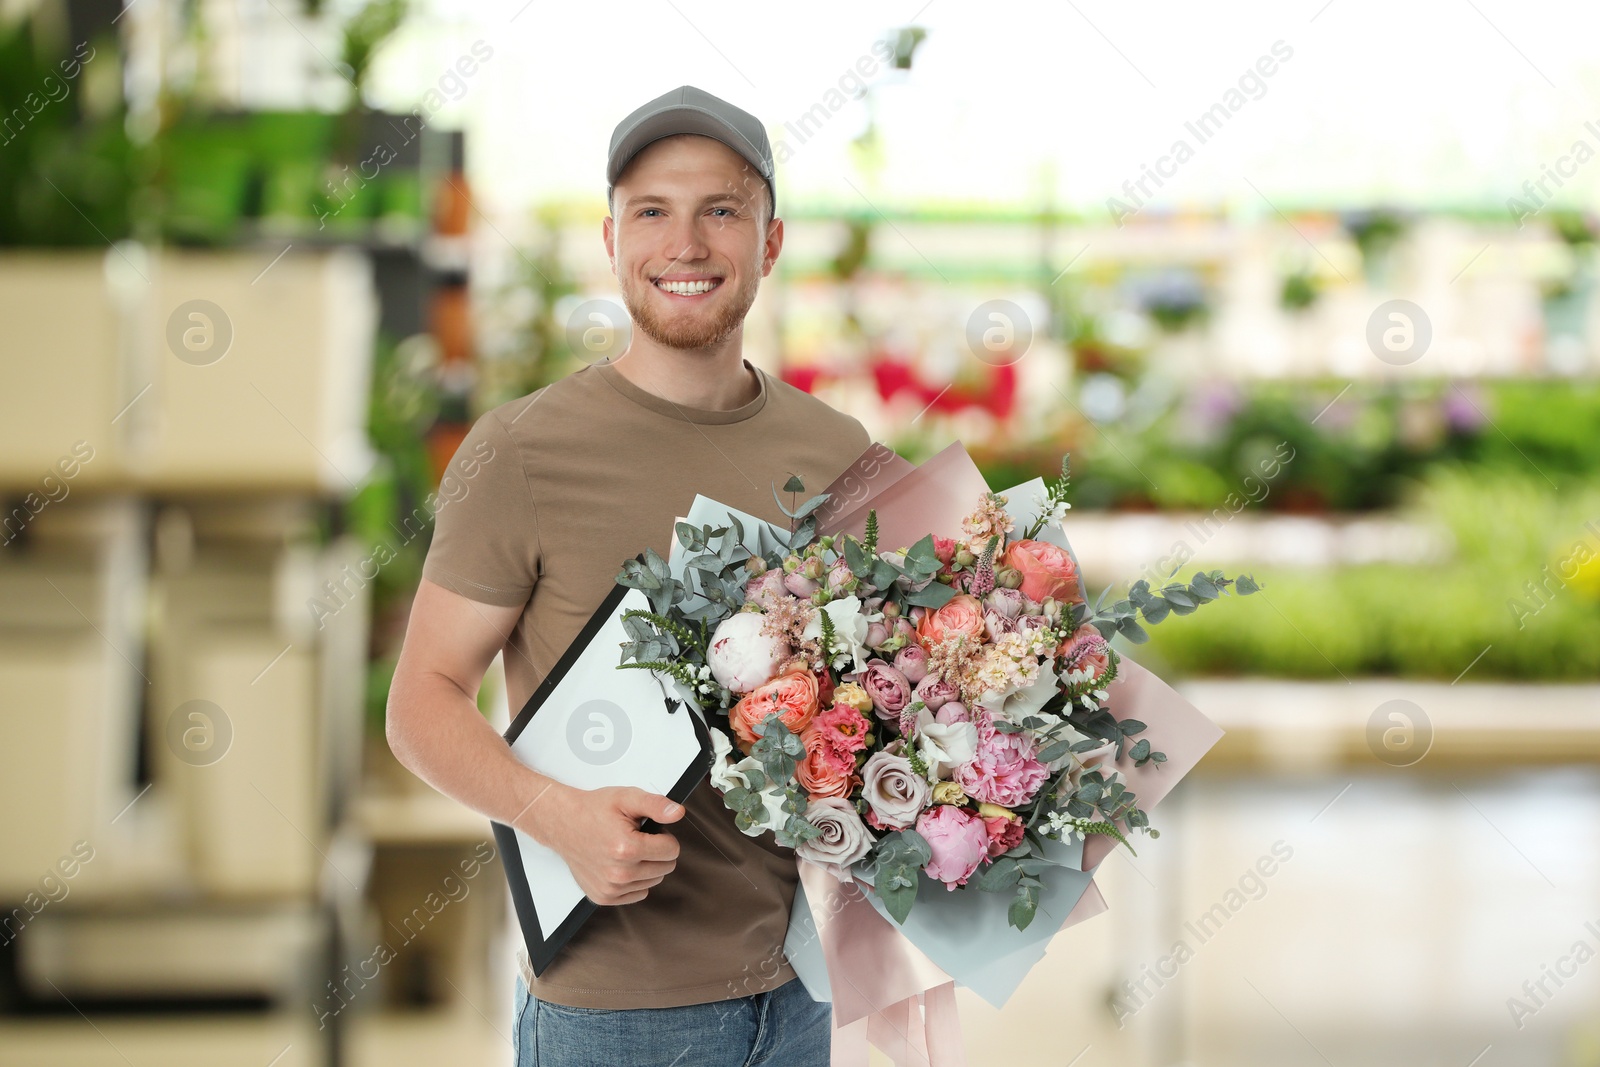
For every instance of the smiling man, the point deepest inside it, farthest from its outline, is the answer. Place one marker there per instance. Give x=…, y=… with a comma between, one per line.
x=683, y=963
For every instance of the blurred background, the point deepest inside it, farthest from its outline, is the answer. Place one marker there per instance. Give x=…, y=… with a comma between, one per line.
x=1305, y=289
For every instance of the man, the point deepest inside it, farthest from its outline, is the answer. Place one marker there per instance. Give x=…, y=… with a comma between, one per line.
x=683, y=963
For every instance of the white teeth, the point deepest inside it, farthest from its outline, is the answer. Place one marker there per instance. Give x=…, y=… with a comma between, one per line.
x=687, y=288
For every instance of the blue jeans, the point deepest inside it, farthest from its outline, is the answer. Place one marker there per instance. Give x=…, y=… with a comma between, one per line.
x=782, y=1027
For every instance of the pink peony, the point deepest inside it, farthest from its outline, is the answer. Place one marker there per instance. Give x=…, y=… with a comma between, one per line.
x=959, y=841
x=741, y=656
x=1004, y=771
x=952, y=713
x=912, y=662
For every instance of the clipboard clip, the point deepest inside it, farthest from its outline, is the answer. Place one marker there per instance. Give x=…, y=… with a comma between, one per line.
x=672, y=702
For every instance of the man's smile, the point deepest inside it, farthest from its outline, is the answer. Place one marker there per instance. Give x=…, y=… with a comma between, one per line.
x=688, y=287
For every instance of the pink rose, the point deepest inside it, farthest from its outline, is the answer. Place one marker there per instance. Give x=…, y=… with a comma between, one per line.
x=959, y=842
x=1005, y=833
x=945, y=549
x=1004, y=771
x=843, y=841
x=825, y=772
x=1046, y=570
x=895, y=794
x=912, y=662
x=961, y=615
x=840, y=578
x=877, y=634
x=952, y=713
x=800, y=585
x=888, y=688
x=935, y=692
x=766, y=590
x=741, y=656
x=792, y=697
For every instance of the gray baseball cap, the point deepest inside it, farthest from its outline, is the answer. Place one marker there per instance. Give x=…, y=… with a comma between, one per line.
x=690, y=110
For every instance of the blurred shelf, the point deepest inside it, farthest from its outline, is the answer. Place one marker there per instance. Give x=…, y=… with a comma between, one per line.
x=281, y=1040
x=1292, y=727
x=1130, y=544
x=423, y=817
x=460, y=1035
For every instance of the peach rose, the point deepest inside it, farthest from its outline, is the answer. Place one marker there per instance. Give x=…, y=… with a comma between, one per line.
x=1046, y=570
x=824, y=772
x=793, y=696
x=963, y=614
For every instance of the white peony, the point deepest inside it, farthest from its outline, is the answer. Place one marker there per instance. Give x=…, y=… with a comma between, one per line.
x=741, y=657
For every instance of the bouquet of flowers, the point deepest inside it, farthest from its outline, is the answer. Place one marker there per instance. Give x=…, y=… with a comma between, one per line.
x=935, y=710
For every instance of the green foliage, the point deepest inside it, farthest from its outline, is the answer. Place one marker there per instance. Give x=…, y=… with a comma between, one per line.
x=898, y=857
x=1343, y=447
x=1430, y=621
x=68, y=169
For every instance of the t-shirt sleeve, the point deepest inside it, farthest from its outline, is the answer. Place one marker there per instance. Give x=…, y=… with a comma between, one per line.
x=486, y=529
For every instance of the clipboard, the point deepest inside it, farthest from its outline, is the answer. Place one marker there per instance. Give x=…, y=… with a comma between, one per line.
x=591, y=725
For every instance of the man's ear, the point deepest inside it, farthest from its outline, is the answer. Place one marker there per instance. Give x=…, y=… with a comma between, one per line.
x=774, y=245
x=608, y=234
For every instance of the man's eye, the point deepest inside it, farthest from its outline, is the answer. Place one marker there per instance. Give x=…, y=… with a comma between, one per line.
x=650, y=211
x=727, y=211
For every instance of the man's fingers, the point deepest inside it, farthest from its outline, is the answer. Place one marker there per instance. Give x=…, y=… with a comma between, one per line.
x=638, y=804
x=654, y=848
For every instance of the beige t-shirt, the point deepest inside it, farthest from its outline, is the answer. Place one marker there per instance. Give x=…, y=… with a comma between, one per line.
x=560, y=487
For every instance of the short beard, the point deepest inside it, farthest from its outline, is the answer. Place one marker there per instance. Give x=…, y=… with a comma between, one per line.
x=698, y=332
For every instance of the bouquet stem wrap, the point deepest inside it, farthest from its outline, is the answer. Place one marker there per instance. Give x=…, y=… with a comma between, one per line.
x=885, y=991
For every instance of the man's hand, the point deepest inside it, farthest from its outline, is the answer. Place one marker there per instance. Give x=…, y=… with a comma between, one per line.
x=597, y=832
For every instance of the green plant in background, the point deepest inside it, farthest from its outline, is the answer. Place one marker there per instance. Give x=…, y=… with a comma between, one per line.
x=389, y=513
x=1376, y=232
x=1174, y=300
x=1299, y=291
x=1521, y=589
x=541, y=351
x=1356, y=448
x=68, y=170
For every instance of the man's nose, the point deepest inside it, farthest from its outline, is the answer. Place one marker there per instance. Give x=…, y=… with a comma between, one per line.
x=687, y=241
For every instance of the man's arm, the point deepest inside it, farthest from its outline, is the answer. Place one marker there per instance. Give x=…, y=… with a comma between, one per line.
x=435, y=729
